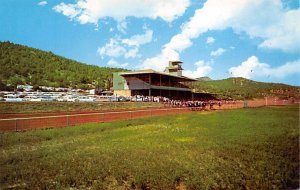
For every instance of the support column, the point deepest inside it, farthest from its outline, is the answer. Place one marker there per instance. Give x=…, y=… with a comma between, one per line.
x=169, y=87
x=150, y=85
x=159, y=80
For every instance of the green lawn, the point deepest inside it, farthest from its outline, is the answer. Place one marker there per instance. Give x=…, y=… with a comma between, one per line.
x=235, y=149
x=37, y=107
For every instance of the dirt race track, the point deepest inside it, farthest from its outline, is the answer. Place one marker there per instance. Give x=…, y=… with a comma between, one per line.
x=23, y=122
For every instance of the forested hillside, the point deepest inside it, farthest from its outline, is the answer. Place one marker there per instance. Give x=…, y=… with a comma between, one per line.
x=24, y=65
x=241, y=88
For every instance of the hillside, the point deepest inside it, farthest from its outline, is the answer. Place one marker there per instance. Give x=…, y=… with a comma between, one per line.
x=241, y=88
x=24, y=65
x=204, y=79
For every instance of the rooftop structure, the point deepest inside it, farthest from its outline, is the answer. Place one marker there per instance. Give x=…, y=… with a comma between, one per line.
x=174, y=68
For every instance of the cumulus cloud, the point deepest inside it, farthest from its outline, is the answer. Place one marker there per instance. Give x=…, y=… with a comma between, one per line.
x=218, y=52
x=160, y=61
x=128, y=47
x=132, y=53
x=91, y=11
x=278, y=27
x=248, y=68
x=202, y=69
x=112, y=49
x=139, y=39
x=253, y=68
x=42, y=3
x=68, y=10
x=210, y=40
x=114, y=63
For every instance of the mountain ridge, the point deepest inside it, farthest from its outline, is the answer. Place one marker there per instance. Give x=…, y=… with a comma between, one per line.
x=241, y=88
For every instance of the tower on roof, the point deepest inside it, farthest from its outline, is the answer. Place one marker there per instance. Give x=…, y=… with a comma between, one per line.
x=174, y=68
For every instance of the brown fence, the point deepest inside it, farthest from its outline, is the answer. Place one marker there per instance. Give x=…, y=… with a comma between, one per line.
x=22, y=124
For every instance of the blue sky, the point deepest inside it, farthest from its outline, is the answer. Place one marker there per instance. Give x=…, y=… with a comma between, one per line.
x=255, y=39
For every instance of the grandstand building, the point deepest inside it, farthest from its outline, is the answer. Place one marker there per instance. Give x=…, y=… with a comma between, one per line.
x=170, y=83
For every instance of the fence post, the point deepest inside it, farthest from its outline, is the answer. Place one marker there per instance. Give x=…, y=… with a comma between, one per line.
x=67, y=120
x=16, y=124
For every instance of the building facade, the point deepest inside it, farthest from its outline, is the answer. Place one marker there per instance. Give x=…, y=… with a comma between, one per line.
x=170, y=84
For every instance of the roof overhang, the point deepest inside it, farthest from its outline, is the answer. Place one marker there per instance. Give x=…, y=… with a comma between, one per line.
x=150, y=71
x=170, y=88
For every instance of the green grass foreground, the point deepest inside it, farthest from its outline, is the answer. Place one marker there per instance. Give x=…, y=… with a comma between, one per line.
x=236, y=149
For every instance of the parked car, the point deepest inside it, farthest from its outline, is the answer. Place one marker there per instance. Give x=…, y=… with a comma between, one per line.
x=61, y=99
x=118, y=99
x=71, y=99
x=113, y=99
x=12, y=98
x=137, y=98
x=86, y=99
x=47, y=98
x=122, y=99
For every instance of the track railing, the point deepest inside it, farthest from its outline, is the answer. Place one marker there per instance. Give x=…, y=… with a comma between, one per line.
x=23, y=124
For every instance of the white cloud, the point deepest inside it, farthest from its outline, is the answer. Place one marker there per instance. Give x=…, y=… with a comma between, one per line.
x=112, y=49
x=179, y=43
x=132, y=53
x=128, y=48
x=218, y=52
x=287, y=69
x=68, y=10
x=140, y=39
x=277, y=27
x=248, y=68
x=114, y=63
x=122, y=26
x=203, y=69
x=42, y=3
x=160, y=61
x=210, y=40
x=91, y=11
x=284, y=34
x=253, y=68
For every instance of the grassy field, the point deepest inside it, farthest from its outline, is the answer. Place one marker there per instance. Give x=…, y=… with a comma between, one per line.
x=235, y=149
x=37, y=107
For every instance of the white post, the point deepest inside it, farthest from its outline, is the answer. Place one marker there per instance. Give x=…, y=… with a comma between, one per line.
x=116, y=100
x=16, y=124
x=67, y=120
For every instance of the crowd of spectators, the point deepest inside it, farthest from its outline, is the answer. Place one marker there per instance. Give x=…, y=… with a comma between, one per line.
x=199, y=104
